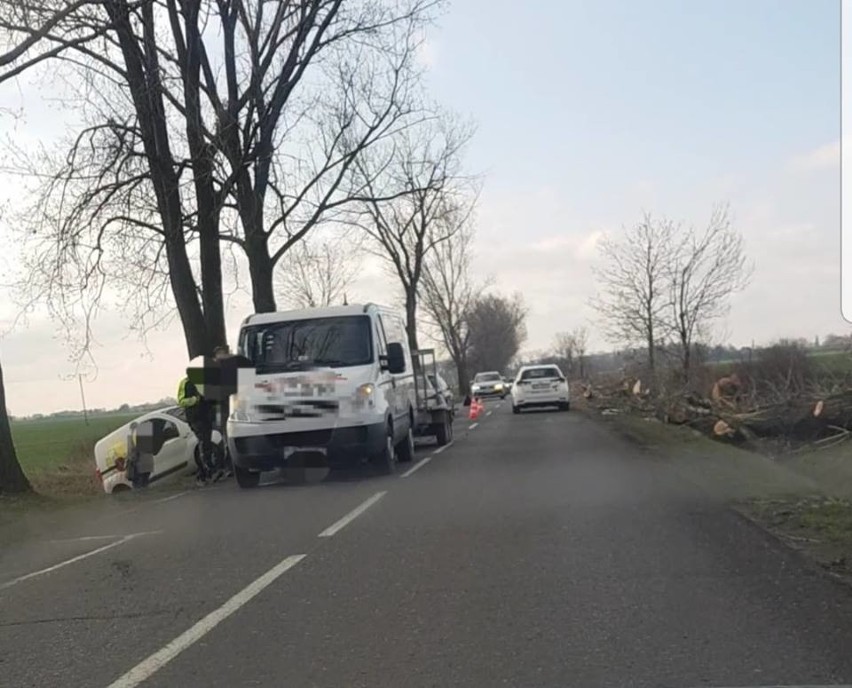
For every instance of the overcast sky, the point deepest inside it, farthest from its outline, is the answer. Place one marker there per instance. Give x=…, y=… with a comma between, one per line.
x=589, y=112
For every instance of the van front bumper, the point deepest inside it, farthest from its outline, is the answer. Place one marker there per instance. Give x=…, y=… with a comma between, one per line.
x=343, y=446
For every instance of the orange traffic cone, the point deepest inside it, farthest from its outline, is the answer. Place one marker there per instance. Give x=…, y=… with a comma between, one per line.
x=475, y=409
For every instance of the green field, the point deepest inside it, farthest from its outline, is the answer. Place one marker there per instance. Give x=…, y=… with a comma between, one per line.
x=824, y=362
x=45, y=444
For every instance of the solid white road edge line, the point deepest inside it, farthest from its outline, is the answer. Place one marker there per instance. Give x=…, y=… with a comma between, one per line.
x=352, y=515
x=419, y=464
x=473, y=427
x=74, y=560
x=86, y=538
x=159, y=659
x=446, y=446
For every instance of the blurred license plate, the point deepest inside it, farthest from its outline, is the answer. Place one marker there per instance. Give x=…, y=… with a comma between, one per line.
x=540, y=385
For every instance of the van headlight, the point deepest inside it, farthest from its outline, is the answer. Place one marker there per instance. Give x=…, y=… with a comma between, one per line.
x=365, y=396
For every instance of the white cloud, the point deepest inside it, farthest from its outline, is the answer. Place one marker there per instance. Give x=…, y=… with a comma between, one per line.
x=825, y=157
x=427, y=53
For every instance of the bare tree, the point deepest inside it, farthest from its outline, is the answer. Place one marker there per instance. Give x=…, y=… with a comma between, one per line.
x=448, y=294
x=205, y=107
x=319, y=272
x=421, y=173
x=705, y=269
x=565, y=349
x=497, y=330
x=633, y=295
x=580, y=337
x=300, y=145
x=12, y=478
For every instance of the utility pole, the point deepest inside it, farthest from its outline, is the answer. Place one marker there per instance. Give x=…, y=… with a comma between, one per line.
x=83, y=397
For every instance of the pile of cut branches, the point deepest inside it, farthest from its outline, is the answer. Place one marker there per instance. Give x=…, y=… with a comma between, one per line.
x=735, y=410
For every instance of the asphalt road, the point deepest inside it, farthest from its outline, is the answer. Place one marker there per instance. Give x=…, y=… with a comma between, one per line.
x=537, y=550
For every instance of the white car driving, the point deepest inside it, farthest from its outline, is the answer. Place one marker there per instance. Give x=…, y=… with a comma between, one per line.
x=488, y=384
x=178, y=446
x=540, y=385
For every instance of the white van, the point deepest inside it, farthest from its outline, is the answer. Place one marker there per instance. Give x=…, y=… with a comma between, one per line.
x=337, y=380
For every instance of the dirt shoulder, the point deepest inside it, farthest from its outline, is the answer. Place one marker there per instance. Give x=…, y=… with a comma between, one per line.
x=805, y=500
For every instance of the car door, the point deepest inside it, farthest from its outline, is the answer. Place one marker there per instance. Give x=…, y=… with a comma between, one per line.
x=404, y=382
x=170, y=447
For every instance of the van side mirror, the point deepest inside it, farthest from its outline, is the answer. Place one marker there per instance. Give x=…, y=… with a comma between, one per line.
x=396, y=358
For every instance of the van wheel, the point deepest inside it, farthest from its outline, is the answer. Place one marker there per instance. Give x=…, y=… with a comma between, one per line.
x=405, y=449
x=444, y=431
x=245, y=478
x=385, y=460
x=516, y=408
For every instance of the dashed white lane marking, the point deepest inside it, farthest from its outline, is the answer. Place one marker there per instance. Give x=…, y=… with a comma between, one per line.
x=473, y=426
x=489, y=413
x=416, y=466
x=446, y=446
x=74, y=560
x=352, y=515
x=159, y=659
x=168, y=499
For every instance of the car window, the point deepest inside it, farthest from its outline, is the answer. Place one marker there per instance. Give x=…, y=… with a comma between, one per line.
x=162, y=431
x=298, y=344
x=381, y=337
x=539, y=373
x=488, y=377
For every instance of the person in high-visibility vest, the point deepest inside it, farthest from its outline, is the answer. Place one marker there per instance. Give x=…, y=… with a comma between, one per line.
x=200, y=414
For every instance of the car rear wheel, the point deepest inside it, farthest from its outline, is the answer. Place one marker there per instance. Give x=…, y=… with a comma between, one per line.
x=245, y=478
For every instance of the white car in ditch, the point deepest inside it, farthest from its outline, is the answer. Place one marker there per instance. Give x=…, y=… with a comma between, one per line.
x=175, y=448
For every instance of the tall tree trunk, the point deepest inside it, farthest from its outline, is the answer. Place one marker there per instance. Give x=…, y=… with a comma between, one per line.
x=651, y=352
x=12, y=478
x=260, y=272
x=186, y=295
x=461, y=371
x=143, y=74
x=202, y=163
x=411, y=317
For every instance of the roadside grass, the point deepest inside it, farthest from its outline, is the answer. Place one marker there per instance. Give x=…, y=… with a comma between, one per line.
x=57, y=455
x=803, y=499
x=724, y=471
x=825, y=363
x=818, y=525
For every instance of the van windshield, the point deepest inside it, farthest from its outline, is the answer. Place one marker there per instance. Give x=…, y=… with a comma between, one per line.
x=301, y=344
